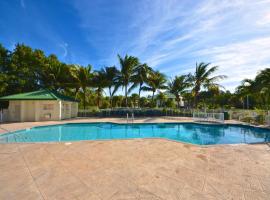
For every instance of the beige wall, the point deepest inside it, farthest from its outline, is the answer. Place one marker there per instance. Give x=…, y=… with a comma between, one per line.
x=13, y=112
x=69, y=109
x=47, y=110
x=74, y=109
x=40, y=110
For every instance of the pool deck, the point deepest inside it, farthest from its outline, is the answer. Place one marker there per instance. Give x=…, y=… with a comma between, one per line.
x=146, y=169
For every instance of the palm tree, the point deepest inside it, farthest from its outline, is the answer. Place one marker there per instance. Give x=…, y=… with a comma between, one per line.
x=128, y=66
x=161, y=97
x=155, y=81
x=265, y=94
x=142, y=73
x=99, y=82
x=178, y=86
x=264, y=77
x=134, y=99
x=213, y=91
x=82, y=79
x=201, y=78
x=259, y=87
x=247, y=88
x=56, y=76
x=111, y=74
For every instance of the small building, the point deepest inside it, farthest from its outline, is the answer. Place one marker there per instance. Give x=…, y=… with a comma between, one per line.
x=41, y=105
x=171, y=96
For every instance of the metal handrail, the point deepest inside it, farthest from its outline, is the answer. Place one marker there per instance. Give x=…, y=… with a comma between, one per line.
x=209, y=117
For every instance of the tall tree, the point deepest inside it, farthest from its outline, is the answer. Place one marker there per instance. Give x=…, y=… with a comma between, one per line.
x=178, y=86
x=246, y=89
x=142, y=72
x=128, y=66
x=202, y=78
x=161, y=97
x=23, y=73
x=83, y=79
x=99, y=82
x=56, y=75
x=262, y=81
x=263, y=78
x=155, y=81
x=111, y=74
x=4, y=70
x=134, y=100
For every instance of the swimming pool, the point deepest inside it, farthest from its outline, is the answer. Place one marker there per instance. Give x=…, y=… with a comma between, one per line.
x=201, y=134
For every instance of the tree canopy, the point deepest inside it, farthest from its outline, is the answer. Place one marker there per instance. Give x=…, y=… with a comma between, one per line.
x=24, y=69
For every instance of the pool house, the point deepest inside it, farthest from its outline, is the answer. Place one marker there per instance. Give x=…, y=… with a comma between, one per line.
x=41, y=105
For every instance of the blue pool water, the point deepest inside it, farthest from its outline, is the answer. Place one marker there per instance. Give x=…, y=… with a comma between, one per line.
x=201, y=134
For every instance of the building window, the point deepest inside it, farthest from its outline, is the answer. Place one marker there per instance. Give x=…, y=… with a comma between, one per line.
x=48, y=107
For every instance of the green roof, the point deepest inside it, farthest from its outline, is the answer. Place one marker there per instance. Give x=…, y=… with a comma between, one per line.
x=168, y=95
x=39, y=95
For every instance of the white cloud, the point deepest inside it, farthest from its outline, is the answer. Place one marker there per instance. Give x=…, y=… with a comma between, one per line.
x=227, y=33
x=240, y=60
x=173, y=35
x=265, y=20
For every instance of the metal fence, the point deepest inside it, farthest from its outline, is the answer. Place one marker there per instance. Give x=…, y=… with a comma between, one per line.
x=208, y=117
x=122, y=112
x=258, y=117
x=268, y=119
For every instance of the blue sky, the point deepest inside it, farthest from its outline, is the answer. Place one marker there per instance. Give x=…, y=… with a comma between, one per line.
x=171, y=36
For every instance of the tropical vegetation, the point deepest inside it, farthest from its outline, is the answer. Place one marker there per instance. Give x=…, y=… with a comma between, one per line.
x=24, y=69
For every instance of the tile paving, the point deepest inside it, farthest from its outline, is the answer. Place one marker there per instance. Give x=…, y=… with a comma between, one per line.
x=147, y=169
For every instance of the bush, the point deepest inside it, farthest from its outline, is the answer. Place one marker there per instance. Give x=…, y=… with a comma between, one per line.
x=247, y=119
x=259, y=119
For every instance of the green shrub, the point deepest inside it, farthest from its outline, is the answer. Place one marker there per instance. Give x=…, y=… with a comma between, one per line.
x=247, y=119
x=259, y=119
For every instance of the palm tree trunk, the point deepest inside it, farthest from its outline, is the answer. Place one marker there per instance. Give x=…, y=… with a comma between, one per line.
x=153, y=96
x=178, y=100
x=110, y=96
x=196, y=99
x=84, y=103
x=76, y=91
x=126, y=95
x=98, y=100
x=140, y=95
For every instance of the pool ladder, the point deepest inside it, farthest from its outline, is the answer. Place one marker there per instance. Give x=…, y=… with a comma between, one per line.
x=132, y=118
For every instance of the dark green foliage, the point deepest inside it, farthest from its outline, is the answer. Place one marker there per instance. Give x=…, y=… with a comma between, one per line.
x=4, y=105
x=154, y=82
x=25, y=70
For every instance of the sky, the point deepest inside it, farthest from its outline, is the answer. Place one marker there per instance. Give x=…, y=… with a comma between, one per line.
x=168, y=35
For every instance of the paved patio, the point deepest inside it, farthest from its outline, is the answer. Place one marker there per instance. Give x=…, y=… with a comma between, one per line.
x=132, y=169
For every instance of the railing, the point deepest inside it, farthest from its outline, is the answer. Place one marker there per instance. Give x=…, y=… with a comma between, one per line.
x=257, y=117
x=132, y=118
x=1, y=116
x=267, y=119
x=208, y=117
